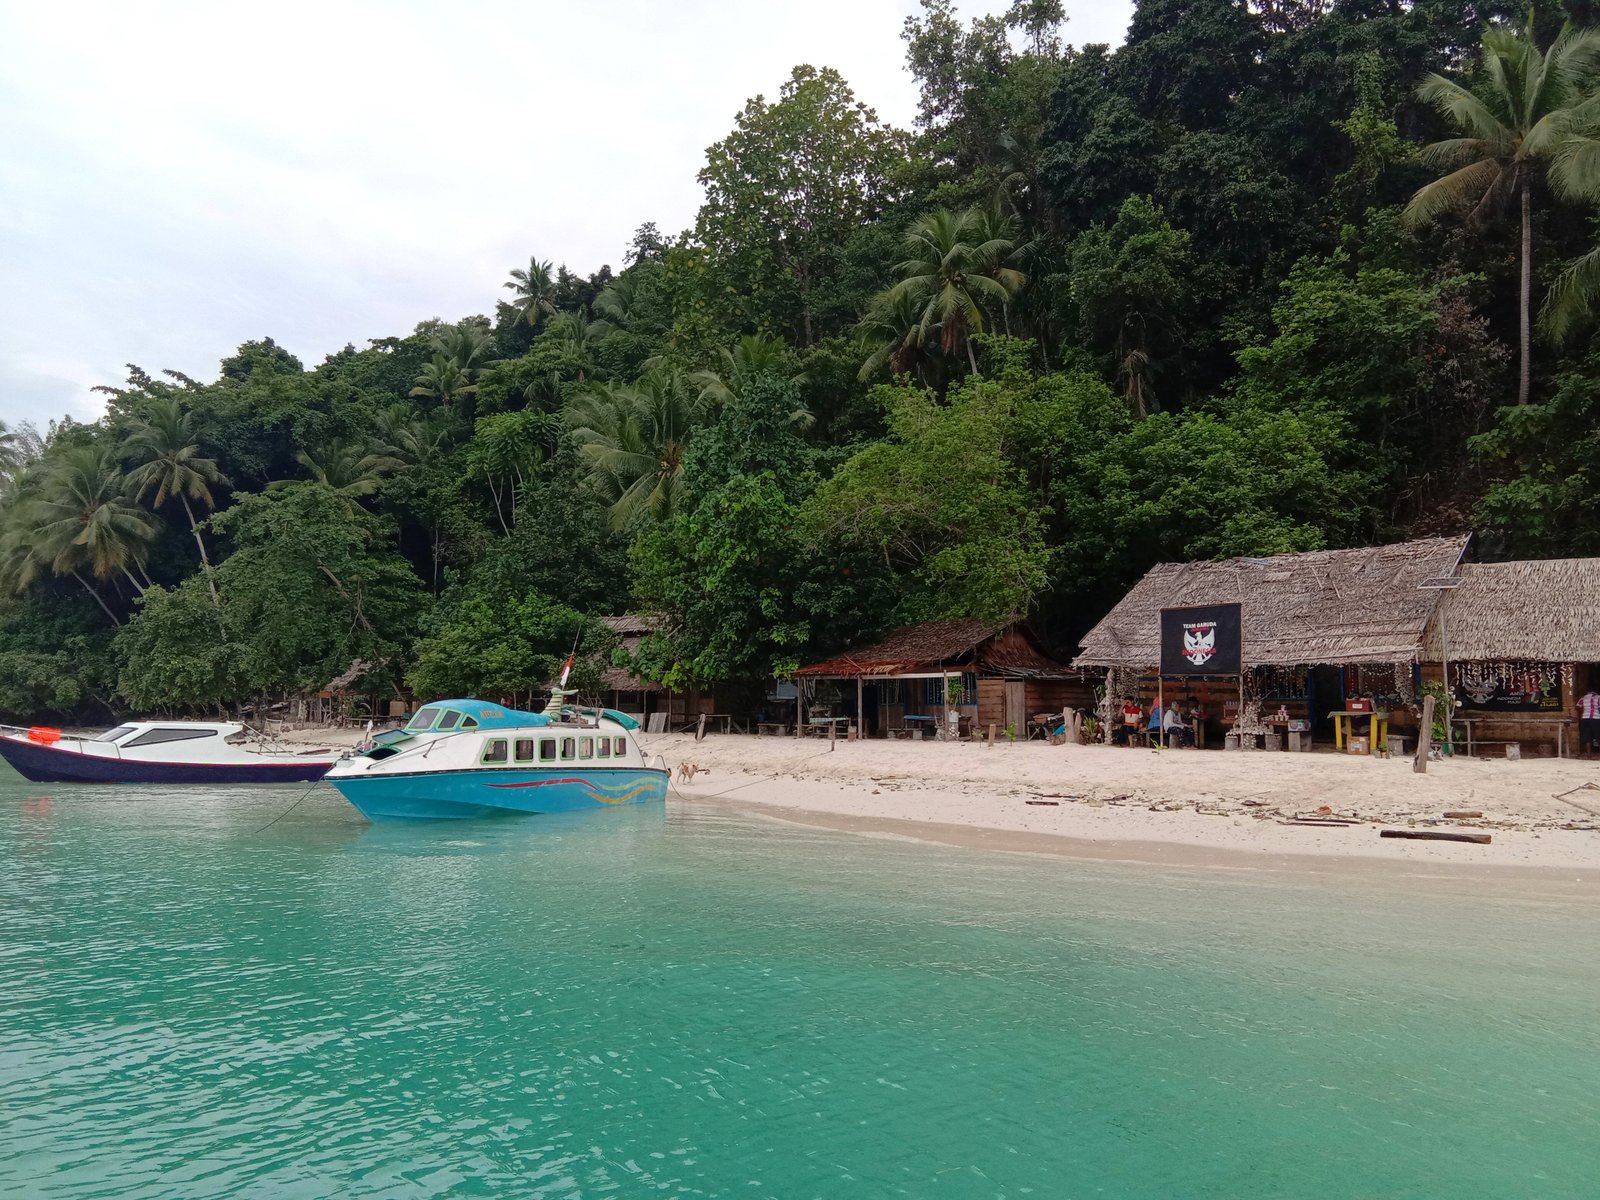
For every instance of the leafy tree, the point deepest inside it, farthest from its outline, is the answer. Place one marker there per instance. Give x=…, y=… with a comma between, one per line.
x=940, y=502
x=170, y=462
x=1131, y=285
x=512, y=648
x=783, y=192
x=312, y=584
x=1510, y=132
x=171, y=655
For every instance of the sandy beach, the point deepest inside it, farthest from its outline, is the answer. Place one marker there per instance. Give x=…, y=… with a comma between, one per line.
x=1168, y=806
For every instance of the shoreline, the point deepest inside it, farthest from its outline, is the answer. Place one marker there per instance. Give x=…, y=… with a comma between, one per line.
x=1174, y=807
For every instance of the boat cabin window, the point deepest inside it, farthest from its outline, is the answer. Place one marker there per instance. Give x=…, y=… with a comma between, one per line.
x=112, y=735
x=494, y=751
x=547, y=749
x=154, y=737
x=604, y=747
x=469, y=723
x=586, y=747
x=524, y=749
x=449, y=721
x=424, y=719
x=622, y=746
x=569, y=749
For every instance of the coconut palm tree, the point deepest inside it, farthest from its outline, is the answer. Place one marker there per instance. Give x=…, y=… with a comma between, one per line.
x=168, y=453
x=468, y=345
x=444, y=380
x=632, y=438
x=1512, y=128
x=891, y=333
x=350, y=467
x=749, y=357
x=953, y=269
x=535, y=291
x=82, y=519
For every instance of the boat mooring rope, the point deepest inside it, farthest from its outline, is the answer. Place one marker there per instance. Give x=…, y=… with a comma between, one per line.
x=288, y=810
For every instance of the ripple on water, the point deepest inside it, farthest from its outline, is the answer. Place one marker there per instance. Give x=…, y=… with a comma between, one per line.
x=694, y=1003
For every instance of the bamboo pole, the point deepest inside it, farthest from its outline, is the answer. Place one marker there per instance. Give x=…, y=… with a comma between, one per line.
x=1424, y=738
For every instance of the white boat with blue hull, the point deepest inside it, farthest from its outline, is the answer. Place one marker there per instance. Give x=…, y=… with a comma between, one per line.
x=468, y=758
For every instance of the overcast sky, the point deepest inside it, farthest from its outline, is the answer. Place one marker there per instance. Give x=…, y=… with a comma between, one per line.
x=178, y=178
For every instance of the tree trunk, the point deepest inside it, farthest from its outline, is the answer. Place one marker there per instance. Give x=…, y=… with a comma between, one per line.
x=98, y=599
x=205, y=559
x=1523, y=384
x=133, y=580
x=971, y=357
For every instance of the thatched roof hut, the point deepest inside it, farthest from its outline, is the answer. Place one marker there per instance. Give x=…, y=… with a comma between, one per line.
x=935, y=647
x=1546, y=610
x=1322, y=607
x=631, y=629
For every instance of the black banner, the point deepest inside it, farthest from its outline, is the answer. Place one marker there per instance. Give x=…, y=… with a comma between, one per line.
x=1201, y=641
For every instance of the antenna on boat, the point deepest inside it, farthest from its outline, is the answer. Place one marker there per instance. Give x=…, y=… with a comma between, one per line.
x=560, y=692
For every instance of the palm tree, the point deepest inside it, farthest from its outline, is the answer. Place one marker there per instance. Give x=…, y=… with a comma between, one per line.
x=168, y=452
x=350, y=467
x=749, y=357
x=578, y=334
x=618, y=301
x=468, y=345
x=443, y=379
x=954, y=268
x=891, y=332
x=535, y=291
x=412, y=438
x=1530, y=102
x=632, y=438
x=83, y=520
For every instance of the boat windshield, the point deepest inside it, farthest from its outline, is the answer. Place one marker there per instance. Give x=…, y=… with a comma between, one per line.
x=424, y=719
x=112, y=735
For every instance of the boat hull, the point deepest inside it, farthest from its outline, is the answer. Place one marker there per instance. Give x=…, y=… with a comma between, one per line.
x=47, y=764
x=436, y=795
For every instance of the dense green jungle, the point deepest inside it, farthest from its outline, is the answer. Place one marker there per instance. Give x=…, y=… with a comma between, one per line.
x=1267, y=277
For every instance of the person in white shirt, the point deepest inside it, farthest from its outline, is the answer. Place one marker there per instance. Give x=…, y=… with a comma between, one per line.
x=1173, y=727
x=1589, y=721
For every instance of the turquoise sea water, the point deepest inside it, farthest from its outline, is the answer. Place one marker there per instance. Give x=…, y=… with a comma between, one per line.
x=700, y=1003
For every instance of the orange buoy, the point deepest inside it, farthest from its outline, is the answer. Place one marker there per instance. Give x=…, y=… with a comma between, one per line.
x=43, y=733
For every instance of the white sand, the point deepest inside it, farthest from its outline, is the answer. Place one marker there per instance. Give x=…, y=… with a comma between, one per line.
x=1158, y=805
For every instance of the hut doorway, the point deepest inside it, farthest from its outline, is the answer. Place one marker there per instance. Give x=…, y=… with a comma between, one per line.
x=1017, y=707
x=1327, y=696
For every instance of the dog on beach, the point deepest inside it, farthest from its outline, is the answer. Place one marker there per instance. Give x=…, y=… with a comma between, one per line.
x=687, y=771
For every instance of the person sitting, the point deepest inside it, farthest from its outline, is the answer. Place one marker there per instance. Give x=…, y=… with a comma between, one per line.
x=1154, y=725
x=1123, y=732
x=1173, y=727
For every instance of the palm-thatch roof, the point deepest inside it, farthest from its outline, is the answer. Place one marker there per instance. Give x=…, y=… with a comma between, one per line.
x=1325, y=606
x=1544, y=610
x=935, y=647
x=631, y=629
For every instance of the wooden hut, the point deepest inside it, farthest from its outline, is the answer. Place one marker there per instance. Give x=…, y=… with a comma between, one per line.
x=1317, y=627
x=1522, y=642
x=1005, y=678
x=642, y=698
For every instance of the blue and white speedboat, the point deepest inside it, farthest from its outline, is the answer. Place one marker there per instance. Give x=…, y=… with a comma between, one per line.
x=468, y=758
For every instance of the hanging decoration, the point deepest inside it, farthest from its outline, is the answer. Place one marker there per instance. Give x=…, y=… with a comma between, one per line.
x=1509, y=686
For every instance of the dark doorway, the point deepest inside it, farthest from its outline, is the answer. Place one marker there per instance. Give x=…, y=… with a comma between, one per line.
x=1327, y=696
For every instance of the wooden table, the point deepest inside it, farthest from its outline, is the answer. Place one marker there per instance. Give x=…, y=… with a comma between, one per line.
x=1560, y=723
x=1377, y=728
x=823, y=725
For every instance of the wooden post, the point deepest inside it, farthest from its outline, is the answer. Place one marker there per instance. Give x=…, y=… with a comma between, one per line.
x=861, y=716
x=833, y=734
x=700, y=733
x=799, y=711
x=991, y=735
x=1424, y=738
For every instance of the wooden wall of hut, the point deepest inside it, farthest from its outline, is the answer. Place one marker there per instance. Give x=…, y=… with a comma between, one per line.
x=1039, y=696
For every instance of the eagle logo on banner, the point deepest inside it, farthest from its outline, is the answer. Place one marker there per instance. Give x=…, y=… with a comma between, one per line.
x=1200, y=642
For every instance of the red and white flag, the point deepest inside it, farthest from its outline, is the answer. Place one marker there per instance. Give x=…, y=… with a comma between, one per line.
x=565, y=671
